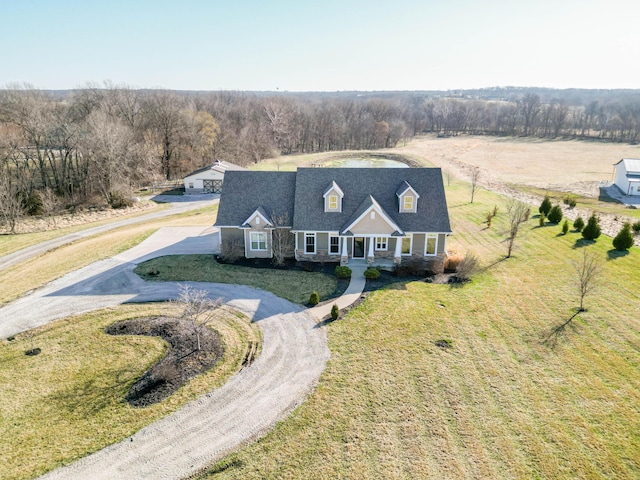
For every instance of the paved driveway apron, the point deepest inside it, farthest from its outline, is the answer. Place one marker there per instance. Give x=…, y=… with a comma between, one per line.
x=293, y=357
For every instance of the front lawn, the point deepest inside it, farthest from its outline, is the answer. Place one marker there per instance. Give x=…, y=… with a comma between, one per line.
x=69, y=400
x=293, y=285
x=450, y=381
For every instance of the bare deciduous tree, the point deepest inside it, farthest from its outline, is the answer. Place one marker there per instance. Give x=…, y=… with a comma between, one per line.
x=517, y=213
x=588, y=269
x=11, y=208
x=475, y=177
x=282, y=240
x=198, y=309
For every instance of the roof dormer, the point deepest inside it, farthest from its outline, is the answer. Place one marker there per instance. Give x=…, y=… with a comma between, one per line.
x=333, y=198
x=407, y=198
x=257, y=220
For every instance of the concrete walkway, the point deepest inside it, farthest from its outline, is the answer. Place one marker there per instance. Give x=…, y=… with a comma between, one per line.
x=350, y=295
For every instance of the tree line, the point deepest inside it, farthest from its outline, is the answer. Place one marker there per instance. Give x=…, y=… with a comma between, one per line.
x=101, y=141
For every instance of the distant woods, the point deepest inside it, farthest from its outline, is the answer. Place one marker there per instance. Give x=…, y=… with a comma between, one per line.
x=92, y=142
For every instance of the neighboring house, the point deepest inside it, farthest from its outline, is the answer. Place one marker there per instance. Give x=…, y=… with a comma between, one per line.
x=383, y=215
x=208, y=179
x=627, y=176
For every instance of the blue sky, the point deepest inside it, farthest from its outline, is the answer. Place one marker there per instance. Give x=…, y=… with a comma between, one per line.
x=320, y=46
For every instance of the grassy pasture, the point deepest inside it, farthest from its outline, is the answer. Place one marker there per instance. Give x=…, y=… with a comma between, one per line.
x=295, y=286
x=501, y=403
x=38, y=271
x=68, y=401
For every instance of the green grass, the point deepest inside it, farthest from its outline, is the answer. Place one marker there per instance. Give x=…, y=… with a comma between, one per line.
x=68, y=401
x=293, y=285
x=501, y=403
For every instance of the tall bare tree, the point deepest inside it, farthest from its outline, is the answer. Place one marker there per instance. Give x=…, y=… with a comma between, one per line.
x=282, y=240
x=588, y=268
x=475, y=177
x=198, y=309
x=517, y=214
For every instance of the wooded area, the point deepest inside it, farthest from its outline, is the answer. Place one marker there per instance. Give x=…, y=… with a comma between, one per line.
x=100, y=142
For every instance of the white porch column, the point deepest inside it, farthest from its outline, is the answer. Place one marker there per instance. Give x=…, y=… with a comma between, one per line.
x=397, y=254
x=370, y=254
x=344, y=254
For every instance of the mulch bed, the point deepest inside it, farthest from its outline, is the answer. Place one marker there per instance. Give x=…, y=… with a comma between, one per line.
x=181, y=362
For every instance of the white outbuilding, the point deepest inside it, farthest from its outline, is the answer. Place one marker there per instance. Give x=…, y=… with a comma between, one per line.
x=627, y=176
x=208, y=179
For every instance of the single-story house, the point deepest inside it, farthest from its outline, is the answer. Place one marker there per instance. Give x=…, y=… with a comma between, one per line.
x=381, y=215
x=627, y=176
x=208, y=179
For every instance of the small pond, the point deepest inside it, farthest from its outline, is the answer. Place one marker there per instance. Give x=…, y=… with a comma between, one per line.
x=365, y=162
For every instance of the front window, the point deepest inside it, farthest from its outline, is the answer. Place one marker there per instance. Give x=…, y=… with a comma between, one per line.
x=381, y=243
x=431, y=245
x=190, y=184
x=333, y=202
x=334, y=245
x=258, y=240
x=406, y=246
x=309, y=243
x=408, y=202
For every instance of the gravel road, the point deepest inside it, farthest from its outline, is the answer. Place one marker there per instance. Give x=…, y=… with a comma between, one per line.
x=294, y=355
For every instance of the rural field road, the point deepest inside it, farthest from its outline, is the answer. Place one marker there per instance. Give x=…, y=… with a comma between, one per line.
x=179, y=204
x=294, y=355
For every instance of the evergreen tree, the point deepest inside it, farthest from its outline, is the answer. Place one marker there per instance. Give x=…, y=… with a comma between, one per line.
x=545, y=206
x=565, y=227
x=592, y=230
x=624, y=239
x=555, y=214
x=578, y=224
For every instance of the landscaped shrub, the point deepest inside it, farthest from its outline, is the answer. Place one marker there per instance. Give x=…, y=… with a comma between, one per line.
x=314, y=299
x=542, y=219
x=569, y=200
x=555, y=214
x=545, y=206
x=452, y=261
x=468, y=267
x=636, y=228
x=231, y=251
x=624, y=239
x=335, y=312
x=343, y=271
x=578, y=224
x=371, y=273
x=592, y=230
x=565, y=227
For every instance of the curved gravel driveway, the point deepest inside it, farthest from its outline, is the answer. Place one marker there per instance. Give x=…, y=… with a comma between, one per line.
x=294, y=355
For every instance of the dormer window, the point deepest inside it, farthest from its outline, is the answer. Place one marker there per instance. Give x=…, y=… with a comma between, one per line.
x=407, y=198
x=333, y=196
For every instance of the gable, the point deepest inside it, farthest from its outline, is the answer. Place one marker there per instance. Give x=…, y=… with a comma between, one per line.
x=358, y=184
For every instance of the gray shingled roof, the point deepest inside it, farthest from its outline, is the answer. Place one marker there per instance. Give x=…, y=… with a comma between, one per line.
x=357, y=184
x=245, y=191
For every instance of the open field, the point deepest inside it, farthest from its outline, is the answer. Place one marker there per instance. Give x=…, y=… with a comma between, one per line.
x=556, y=165
x=23, y=277
x=502, y=402
x=295, y=286
x=68, y=401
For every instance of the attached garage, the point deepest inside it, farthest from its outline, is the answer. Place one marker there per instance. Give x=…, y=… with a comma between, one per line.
x=208, y=179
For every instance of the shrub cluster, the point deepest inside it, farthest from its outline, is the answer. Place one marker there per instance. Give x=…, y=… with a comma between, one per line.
x=592, y=230
x=371, y=273
x=314, y=299
x=118, y=199
x=468, y=267
x=343, y=271
x=545, y=206
x=555, y=214
x=624, y=239
x=636, y=228
x=571, y=201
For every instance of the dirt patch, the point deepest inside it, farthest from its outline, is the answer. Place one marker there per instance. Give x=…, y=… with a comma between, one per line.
x=181, y=362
